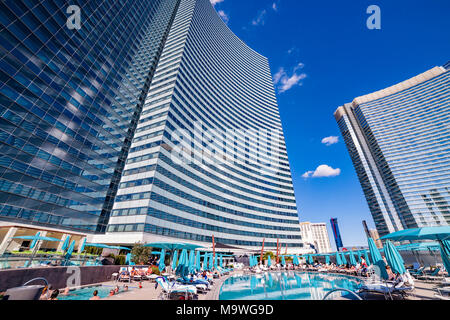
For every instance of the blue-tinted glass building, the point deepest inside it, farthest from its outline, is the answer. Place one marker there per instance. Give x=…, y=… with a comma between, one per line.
x=150, y=122
x=208, y=156
x=70, y=100
x=399, y=141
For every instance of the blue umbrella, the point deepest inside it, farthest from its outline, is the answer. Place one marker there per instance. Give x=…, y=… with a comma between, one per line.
x=283, y=261
x=38, y=238
x=352, y=258
x=327, y=259
x=221, y=262
x=175, y=260
x=377, y=259
x=445, y=254
x=66, y=243
x=269, y=261
x=205, y=261
x=215, y=261
x=198, y=265
x=192, y=261
x=394, y=258
x=310, y=259
x=425, y=233
x=128, y=259
x=70, y=250
x=344, y=260
x=295, y=260
x=366, y=256
x=162, y=265
x=210, y=265
x=338, y=259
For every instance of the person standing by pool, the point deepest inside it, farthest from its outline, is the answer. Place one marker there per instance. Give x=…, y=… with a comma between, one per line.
x=95, y=296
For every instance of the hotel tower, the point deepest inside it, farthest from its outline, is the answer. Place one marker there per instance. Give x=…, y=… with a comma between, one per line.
x=399, y=141
x=146, y=121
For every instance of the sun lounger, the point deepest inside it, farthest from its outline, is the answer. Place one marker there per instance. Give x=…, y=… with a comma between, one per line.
x=433, y=276
x=378, y=287
x=173, y=291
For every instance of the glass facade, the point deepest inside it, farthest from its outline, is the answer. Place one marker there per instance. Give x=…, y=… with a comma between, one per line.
x=143, y=120
x=399, y=142
x=70, y=99
x=208, y=157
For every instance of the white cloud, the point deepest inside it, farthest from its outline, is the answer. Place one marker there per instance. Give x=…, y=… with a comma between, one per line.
x=223, y=15
x=322, y=171
x=285, y=82
x=328, y=141
x=260, y=19
x=214, y=2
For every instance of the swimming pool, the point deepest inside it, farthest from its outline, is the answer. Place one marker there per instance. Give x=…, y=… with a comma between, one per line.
x=288, y=285
x=86, y=292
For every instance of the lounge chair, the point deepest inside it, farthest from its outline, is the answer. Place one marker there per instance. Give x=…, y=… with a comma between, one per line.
x=443, y=293
x=432, y=276
x=378, y=287
x=418, y=272
x=172, y=291
x=124, y=275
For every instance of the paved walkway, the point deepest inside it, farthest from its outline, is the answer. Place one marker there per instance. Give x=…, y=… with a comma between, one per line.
x=423, y=291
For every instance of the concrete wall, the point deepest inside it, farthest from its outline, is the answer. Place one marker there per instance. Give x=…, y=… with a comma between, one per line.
x=56, y=276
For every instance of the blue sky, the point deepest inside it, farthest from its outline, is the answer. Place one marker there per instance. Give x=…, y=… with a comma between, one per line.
x=323, y=55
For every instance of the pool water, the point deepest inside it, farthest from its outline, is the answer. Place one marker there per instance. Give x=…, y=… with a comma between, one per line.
x=288, y=285
x=86, y=292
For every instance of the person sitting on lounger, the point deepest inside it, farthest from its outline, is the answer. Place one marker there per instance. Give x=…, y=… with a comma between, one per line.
x=111, y=293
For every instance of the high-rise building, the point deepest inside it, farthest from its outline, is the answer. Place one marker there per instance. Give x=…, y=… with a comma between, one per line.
x=150, y=121
x=336, y=233
x=70, y=100
x=316, y=234
x=208, y=157
x=399, y=141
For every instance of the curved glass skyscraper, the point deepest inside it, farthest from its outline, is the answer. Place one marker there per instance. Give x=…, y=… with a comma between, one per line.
x=70, y=96
x=147, y=121
x=208, y=157
x=399, y=142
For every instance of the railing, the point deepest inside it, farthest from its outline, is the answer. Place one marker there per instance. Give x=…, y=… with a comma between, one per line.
x=342, y=289
x=29, y=281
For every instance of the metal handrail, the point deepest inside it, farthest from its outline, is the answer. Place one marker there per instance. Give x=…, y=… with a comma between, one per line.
x=342, y=289
x=26, y=283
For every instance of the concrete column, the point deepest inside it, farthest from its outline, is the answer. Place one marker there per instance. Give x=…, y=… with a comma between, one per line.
x=7, y=240
x=63, y=238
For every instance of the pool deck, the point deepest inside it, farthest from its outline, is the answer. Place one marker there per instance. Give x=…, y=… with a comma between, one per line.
x=423, y=290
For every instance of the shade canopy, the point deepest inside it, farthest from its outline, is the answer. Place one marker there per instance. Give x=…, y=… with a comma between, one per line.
x=119, y=248
x=269, y=261
x=283, y=261
x=394, y=259
x=38, y=238
x=425, y=233
x=97, y=245
x=172, y=246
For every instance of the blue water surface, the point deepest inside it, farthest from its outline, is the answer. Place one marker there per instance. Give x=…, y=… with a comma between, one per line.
x=288, y=285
